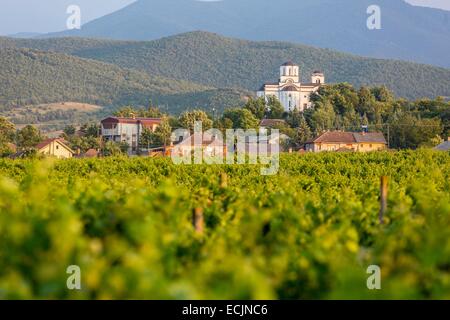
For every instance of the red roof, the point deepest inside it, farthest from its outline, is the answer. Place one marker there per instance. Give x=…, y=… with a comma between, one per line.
x=376, y=137
x=143, y=121
x=46, y=142
x=349, y=137
x=91, y=153
x=336, y=136
x=205, y=139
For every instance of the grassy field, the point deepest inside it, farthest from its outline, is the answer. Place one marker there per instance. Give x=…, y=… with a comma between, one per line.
x=53, y=116
x=309, y=232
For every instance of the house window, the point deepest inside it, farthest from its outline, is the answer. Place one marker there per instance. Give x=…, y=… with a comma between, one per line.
x=370, y=146
x=57, y=147
x=109, y=126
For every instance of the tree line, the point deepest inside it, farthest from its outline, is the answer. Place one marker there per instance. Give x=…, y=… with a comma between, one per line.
x=405, y=123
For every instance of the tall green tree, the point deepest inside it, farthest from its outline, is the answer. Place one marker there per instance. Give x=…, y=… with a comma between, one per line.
x=241, y=118
x=130, y=112
x=153, y=112
x=111, y=148
x=323, y=117
x=69, y=130
x=223, y=124
x=302, y=134
x=92, y=130
x=366, y=100
x=160, y=137
x=84, y=143
x=187, y=119
x=275, y=109
x=28, y=137
x=294, y=118
x=257, y=107
x=7, y=131
x=408, y=131
x=382, y=94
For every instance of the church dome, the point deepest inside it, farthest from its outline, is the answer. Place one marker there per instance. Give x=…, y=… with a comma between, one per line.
x=290, y=88
x=289, y=64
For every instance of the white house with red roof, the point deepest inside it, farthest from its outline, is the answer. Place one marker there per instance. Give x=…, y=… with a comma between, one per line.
x=55, y=148
x=127, y=130
x=289, y=90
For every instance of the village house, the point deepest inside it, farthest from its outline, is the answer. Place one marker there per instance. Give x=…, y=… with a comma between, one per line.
x=127, y=130
x=290, y=91
x=55, y=147
x=347, y=141
x=209, y=145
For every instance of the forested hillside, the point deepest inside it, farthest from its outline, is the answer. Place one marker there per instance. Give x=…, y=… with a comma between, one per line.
x=407, y=32
x=30, y=77
x=217, y=61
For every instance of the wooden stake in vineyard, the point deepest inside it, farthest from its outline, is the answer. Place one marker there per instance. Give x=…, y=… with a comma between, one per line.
x=383, y=197
x=198, y=220
x=223, y=180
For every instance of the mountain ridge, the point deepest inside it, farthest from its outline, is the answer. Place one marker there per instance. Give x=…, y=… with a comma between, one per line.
x=408, y=32
x=31, y=77
x=217, y=61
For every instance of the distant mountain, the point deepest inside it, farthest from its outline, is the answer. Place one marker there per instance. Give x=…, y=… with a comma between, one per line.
x=31, y=77
x=219, y=62
x=408, y=32
x=24, y=35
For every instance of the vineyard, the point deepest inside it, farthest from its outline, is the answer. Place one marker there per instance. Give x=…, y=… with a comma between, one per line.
x=309, y=232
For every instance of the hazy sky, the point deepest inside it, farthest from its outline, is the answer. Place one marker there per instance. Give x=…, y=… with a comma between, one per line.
x=443, y=4
x=50, y=15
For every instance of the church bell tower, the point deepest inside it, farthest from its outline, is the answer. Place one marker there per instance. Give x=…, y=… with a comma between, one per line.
x=289, y=72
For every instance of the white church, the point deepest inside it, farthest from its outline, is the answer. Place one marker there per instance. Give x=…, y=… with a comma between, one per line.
x=289, y=90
